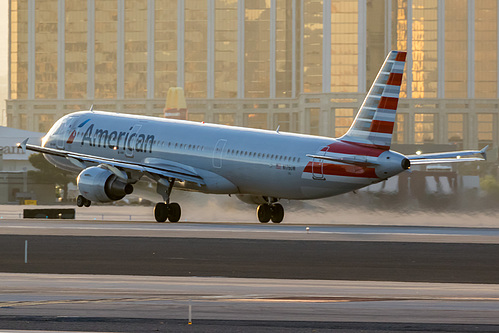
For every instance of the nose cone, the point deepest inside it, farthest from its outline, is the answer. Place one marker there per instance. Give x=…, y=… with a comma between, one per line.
x=391, y=164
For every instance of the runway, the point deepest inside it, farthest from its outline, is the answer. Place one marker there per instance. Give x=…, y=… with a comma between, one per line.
x=140, y=276
x=224, y=230
x=134, y=303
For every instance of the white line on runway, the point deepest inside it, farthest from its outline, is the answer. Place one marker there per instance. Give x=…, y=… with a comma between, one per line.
x=213, y=230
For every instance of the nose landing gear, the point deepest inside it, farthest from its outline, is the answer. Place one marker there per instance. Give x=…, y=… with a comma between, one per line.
x=82, y=201
x=270, y=211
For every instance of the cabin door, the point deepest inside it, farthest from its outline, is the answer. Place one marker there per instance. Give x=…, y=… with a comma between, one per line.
x=318, y=164
x=218, y=152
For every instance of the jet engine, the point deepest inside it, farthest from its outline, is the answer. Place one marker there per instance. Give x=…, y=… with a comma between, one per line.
x=101, y=185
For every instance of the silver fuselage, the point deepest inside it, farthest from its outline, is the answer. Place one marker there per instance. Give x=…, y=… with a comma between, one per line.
x=236, y=160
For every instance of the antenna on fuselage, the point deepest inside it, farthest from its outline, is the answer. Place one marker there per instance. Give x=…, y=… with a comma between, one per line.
x=92, y=108
x=277, y=130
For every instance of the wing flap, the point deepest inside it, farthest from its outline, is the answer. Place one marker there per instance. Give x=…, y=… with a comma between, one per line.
x=162, y=171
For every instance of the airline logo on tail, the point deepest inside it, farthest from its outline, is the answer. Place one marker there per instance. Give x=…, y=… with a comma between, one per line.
x=373, y=126
x=371, y=132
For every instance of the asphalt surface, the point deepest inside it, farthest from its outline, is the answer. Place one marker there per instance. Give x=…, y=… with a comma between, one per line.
x=335, y=260
x=99, y=324
x=151, y=303
x=326, y=256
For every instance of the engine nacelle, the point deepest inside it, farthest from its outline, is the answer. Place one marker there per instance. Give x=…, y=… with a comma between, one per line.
x=101, y=185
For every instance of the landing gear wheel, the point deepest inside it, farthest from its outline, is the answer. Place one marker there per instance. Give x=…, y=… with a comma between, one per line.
x=277, y=213
x=80, y=200
x=263, y=212
x=160, y=212
x=174, y=212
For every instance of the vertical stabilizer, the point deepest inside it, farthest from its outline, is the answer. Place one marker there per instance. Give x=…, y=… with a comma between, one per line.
x=374, y=123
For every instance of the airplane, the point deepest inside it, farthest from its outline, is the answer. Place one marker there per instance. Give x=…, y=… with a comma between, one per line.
x=111, y=152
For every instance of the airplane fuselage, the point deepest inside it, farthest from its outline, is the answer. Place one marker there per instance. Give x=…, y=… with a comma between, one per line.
x=238, y=160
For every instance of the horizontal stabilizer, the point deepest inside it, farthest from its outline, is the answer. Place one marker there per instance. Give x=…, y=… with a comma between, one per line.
x=449, y=157
x=445, y=160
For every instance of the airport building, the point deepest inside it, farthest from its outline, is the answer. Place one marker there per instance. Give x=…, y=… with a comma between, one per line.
x=303, y=65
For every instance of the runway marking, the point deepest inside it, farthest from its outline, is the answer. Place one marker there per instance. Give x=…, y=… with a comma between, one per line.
x=10, y=304
x=259, y=229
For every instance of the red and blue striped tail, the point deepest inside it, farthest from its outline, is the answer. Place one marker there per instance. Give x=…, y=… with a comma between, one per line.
x=373, y=126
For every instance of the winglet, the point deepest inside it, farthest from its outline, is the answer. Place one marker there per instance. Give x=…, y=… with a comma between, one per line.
x=22, y=145
x=483, y=152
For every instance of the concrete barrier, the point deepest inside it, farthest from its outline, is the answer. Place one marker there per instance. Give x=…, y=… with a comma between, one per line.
x=49, y=213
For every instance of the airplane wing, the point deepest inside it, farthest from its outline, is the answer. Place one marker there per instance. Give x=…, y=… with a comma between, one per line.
x=118, y=167
x=449, y=157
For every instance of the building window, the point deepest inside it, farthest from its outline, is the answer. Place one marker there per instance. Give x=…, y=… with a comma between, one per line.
x=344, y=46
x=455, y=129
x=75, y=67
x=485, y=123
x=226, y=49
x=165, y=47
x=195, y=116
x=486, y=49
x=283, y=44
x=46, y=49
x=424, y=128
x=23, y=121
x=282, y=120
x=106, y=32
x=399, y=130
x=45, y=121
x=312, y=46
x=195, y=37
x=257, y=49
x=456, y=48
x=224, y=118
x=424, y=49
x=343, y=119
x=255, y=120
x=135, y=57
x=315, y=117
x=399, y=26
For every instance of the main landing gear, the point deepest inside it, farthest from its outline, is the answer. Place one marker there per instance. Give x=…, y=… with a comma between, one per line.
x=82, y=201
x=270, y=211
x=165, y=210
